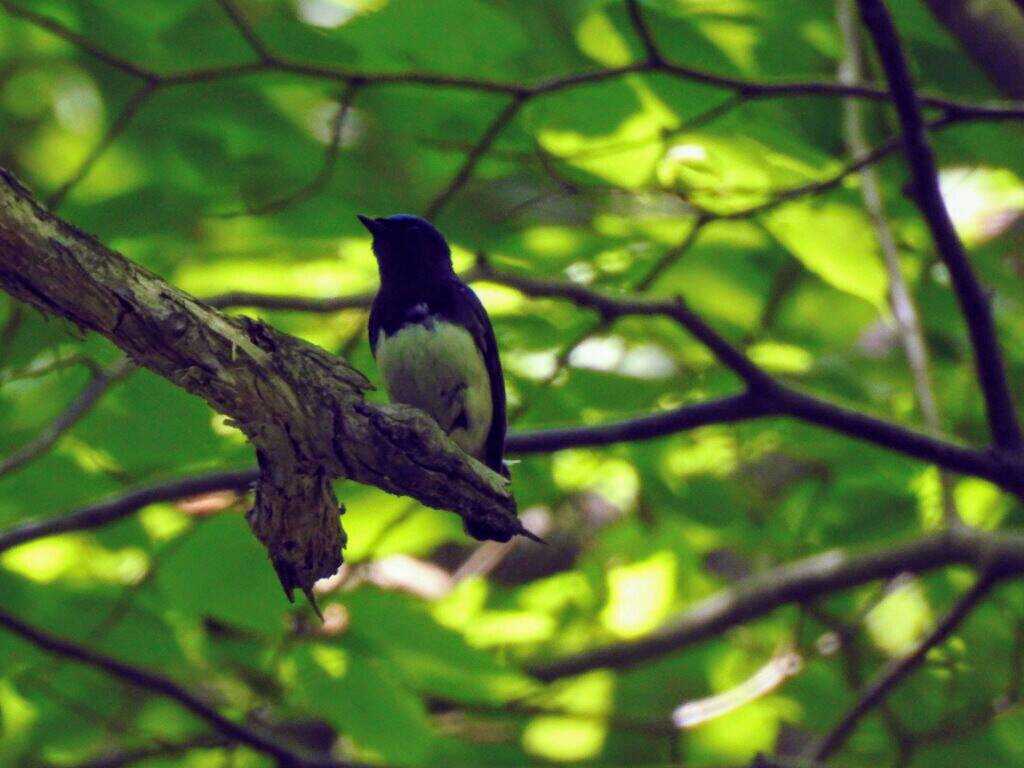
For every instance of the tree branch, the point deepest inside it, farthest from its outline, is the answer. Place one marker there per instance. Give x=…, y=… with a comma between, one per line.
x=636, y=18
x=117, y=127
x=613, y=307
x=992, y=35
x=725, y=410
x=772, y=397
x=908, y=324
x=98, y=385
x=766, y=396
x=323, y=175
x=876, y=692
x=974, y=302
x=245, y=30
x=235, y=299
x=125, y=757
x=998, y=555
x=155, y=683
x=477, y=151
x=302, y=409
x=751, y=89
x=78, y=40
x=119, y=507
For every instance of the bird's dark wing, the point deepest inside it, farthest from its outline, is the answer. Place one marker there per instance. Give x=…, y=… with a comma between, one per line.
x=465, y=308
x=374, y=323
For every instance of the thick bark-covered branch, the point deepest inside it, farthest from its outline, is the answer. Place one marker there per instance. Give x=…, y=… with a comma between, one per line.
x=999, y=556
x=302, y=408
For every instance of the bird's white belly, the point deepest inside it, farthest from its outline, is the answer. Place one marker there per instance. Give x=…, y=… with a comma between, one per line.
x=439, y=369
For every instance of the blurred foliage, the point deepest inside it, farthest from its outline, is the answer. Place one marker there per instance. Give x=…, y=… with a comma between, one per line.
x=420, y=660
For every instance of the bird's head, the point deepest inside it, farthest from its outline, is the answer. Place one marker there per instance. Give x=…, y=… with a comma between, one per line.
x=408, y=248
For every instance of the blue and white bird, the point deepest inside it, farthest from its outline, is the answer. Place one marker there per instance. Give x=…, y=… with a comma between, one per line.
x=433, y=340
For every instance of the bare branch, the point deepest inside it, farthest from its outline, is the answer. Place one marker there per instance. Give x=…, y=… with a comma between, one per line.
x=610, y=307
x=876, y=692
x=323, y=175
x=121, y=506
x=908, y=324
x=293, y=303
x=44, y=367
x=98, y=385
x=767, y=397
x=245, y=30
x=999, y=555
x=853, y=668
x=974, y=302
x=117, y=127
x=748, y=89
x=159, y=685
x=775, y=397
x=78, y=40
x=474, y=155
x=725, y=410
x=671, y=257
x=122, y=758
x=636, y=18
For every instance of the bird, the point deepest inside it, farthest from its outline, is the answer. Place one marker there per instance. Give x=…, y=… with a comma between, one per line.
x=433, y=340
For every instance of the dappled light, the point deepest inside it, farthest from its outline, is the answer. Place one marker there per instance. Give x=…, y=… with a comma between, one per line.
x=754, y=272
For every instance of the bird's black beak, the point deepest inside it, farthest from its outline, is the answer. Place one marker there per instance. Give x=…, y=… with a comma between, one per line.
x=372, y=225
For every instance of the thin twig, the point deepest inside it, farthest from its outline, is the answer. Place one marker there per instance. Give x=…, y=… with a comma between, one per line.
x=853, y=671
x=40, y=368
x=724, y=410
x=86, y=399
x=896, y=671
x=159, y=685
x=78, y=40
x=908, y=323
x=245, y=29
x=748, y=89
x=856, y=165
x=117, y=127
x=234, y=299
x=119, y=507
x=611, y=307
x=667, y=260
x=636, y=18
x=323, y=174
x=124, y=757
x=476, y=152
x=973, y=299
x=671, y=257
x=999, y=555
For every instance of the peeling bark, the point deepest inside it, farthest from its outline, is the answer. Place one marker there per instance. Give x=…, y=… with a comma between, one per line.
x=302, y=409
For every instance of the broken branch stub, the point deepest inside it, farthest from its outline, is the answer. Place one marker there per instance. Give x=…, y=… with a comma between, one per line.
x=302, y=408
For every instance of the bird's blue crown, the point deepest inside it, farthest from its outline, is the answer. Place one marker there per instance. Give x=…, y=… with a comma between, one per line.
x=408, y=247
